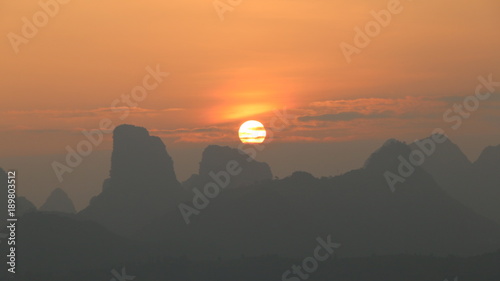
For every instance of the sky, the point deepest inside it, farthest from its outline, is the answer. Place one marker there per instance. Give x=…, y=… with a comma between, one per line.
x=258, y=60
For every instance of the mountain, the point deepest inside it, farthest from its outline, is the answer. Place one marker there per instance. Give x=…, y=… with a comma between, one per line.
x=487, y=167
x=58, y=201
x=216, y=159
x=51, y=242
x=142, y=183
x=489, y=156
x=24, y=206
x=359, y=210
x=489, y=161
x=476, y=185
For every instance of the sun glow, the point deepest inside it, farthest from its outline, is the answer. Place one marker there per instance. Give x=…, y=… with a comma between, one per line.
x=252, y=132
x=242, y=111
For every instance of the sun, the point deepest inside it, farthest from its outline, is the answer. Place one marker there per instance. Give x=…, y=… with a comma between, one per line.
x=252, y=132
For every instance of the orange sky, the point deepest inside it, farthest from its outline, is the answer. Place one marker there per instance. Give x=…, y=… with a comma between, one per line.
x=265, y=55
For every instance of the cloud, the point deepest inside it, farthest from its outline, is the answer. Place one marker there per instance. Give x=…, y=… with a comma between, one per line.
x=186, y=130
x=460, y=99
x=40, y=131
x=409, y=107
x=210, y=134
x=78, y=113
x=403, y=105
x=345, y=116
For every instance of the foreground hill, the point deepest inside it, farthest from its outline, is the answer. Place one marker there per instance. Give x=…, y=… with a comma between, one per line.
x=271, y=268
x=47, y=242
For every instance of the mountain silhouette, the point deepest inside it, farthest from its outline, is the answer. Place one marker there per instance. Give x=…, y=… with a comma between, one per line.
x=24, y=206
x=490, y=156
x=476, y=185
x=358, y=209
x=489, y=161
x=142, y=183
x=58, y=201
x=386, y=155
x=216, y=158
x=135, y=220
x=51, y=242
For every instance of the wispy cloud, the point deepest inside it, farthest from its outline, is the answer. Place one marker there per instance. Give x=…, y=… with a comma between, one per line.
x=79, y=113
x=345, y=116
x=186, y=130
x=369, y=106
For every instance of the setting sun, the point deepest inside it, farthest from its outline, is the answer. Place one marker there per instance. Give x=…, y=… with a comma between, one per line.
x=252, y=132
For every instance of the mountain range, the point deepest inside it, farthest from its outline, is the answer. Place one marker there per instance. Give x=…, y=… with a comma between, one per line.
x=474, y=184
x=435, y=211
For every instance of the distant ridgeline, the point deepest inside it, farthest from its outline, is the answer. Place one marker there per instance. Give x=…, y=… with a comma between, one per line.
x=447, y=206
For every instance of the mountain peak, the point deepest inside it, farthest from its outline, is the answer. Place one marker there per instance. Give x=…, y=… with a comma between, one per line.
x=387, y=154
x=58, y=201
x=489, y=158
x=443, y=154
x=142, y=182
x=136, y=152
x=301, y=176
x=215, y=159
